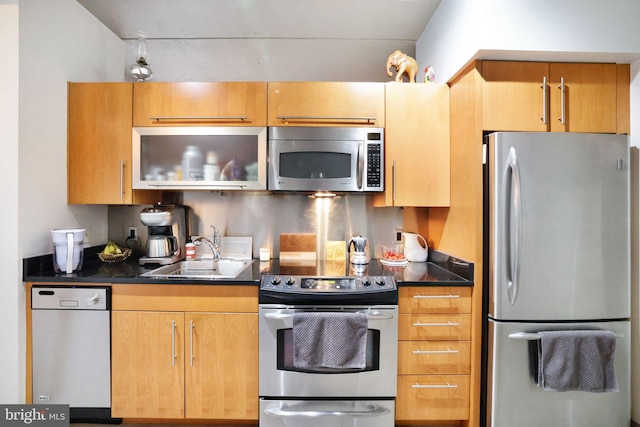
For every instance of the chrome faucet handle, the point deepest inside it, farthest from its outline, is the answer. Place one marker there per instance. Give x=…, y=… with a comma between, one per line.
x=216, y=237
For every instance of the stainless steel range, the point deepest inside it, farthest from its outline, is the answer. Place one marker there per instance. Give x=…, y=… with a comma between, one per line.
x=328, y=351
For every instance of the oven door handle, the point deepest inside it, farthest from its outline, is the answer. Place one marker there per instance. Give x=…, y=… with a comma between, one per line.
x=374, y=411
x=371, y=315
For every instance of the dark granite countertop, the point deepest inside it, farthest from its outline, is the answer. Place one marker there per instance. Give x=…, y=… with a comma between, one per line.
x=441, y=269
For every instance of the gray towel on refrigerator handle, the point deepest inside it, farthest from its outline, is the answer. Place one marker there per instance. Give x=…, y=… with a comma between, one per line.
x=333, y=340
x=580, y=360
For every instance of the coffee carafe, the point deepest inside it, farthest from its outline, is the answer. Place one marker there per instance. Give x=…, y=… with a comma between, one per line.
x=360, y=253
x=166, y=226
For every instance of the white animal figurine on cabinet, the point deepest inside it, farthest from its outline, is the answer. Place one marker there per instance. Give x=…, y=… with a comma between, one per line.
x=404, y=64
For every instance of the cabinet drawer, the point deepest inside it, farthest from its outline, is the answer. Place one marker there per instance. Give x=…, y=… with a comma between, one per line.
x=444, y=299
x=219, y=298
x=435, y=327
x=434, y=357
x=432, y=397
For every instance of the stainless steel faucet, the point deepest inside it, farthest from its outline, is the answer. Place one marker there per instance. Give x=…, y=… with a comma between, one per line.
x=213, y=245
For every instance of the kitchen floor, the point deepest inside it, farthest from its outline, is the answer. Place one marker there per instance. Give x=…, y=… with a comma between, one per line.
x=162, y=425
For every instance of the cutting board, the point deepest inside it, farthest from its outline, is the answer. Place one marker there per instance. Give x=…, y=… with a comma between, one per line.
x=297, y=248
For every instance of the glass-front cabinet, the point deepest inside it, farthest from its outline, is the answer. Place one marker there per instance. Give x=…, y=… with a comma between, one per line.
x=200, y=158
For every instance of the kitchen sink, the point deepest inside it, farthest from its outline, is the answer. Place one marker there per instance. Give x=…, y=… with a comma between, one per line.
x=201, y=269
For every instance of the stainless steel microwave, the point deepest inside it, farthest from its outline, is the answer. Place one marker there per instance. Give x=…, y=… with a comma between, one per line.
x=336, y=159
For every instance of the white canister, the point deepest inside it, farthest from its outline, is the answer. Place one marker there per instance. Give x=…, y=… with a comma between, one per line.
x=192, y=162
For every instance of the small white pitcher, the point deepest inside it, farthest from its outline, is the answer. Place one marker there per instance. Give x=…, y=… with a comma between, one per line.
x=413, y=250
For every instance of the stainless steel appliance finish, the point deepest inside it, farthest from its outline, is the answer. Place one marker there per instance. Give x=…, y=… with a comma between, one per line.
x=72, y=349
x=167, y=233
x=279, y=378
x=326, y=413
x=559, y=255
x=326, y=159
x=310, y=397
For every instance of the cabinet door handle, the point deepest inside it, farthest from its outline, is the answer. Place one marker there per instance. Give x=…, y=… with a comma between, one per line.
x=447, y=351
x=192, y=326
x=121, y=179
x=447, y=385
x=369, y=120
x=450, y=296
x=544, y=100
x=393, y=174
x=562, y=100
x=437, y=324
x=173, y=343
x=197, y=118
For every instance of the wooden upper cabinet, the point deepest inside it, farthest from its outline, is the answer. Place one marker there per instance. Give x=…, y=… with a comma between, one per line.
x=326, y=104
x=417, y=155
x=200, y=104
x=582, y=97
x=556, y=97
x=513, y=96
x=99, y=145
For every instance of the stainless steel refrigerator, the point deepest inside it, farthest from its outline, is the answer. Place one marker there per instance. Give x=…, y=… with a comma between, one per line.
x=557, y=257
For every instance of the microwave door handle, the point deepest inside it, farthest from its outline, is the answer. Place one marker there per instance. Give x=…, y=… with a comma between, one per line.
x=360, y=163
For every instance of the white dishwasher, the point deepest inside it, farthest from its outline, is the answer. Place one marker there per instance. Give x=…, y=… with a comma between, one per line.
x=71, y=330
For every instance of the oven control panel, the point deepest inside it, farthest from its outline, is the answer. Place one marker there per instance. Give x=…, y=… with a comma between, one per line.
x=328, y=284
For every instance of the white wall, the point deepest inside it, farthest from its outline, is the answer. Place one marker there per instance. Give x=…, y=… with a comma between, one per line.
x=546, y=30
x=11, y=370
x=268, y=59
x=44, y=44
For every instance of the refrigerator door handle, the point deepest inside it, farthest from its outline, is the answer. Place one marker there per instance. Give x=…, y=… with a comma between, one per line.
x=512, y=215
x=533, y=336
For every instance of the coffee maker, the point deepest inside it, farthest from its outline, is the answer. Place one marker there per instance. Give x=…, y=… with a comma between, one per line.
x=167, y=233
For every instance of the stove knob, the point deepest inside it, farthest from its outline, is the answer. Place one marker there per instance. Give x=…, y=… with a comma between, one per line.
x=290, y=281
x=366, y=281
x=275, y=281
x=381, y=281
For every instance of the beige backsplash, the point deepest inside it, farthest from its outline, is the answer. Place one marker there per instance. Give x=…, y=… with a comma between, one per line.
x=265, y=216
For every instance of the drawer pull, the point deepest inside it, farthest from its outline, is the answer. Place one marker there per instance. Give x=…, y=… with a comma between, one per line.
x=436, y=324
x=447, y=351
x=447, y=385
x=436, y=296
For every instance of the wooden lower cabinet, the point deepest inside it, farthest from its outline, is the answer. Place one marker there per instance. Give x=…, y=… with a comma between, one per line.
x=219, y=376
x=147, y=380
x=434, y=354
x=182, y=364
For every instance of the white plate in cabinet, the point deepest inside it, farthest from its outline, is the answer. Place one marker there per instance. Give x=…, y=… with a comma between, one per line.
x=423, y=299
x=434, y=357
x=432, y=397
x=444, y=327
